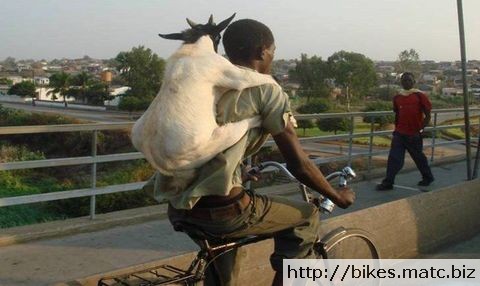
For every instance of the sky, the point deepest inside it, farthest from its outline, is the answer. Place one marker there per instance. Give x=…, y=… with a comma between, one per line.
x=379, y=29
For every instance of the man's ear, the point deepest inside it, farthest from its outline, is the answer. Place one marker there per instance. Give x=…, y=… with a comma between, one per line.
x=260, y=53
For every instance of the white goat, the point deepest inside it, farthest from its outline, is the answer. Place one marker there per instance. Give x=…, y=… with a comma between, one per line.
x=178, y=132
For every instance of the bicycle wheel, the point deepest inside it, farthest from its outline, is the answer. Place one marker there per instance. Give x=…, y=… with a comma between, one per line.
x=351, y=243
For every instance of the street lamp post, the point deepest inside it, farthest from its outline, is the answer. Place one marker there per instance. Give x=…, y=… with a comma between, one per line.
x=465, y=88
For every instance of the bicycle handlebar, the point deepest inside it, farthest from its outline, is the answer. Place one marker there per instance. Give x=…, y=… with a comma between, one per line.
x=325, y=204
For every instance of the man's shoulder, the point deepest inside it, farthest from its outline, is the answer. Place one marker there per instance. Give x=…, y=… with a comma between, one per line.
x=262, y=92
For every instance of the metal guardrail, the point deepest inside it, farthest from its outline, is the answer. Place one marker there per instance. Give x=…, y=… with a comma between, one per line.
x=94, y=159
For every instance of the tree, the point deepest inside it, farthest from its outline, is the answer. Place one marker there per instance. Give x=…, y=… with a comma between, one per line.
x=312, y=74
x=132, y=103
x=60, y=84
x=334, y=124
x=24, y=88
x=408, y=60
x=9, y=63
x=379, y=106
x=6, y=81
x=384, y=93
x=97, y=93
x=318, y=106
x=83, y=80
x=353, y=71
x=142, y=70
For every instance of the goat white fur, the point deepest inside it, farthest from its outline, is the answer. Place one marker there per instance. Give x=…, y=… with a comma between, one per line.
x=178, y=132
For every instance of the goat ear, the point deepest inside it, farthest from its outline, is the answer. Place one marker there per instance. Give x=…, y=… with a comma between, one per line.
x=174, y=36
x=191, y=23
x=224, y=23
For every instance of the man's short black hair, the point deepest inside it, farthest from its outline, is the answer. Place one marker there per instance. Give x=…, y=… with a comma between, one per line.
x=405, y=74
x=244, y=39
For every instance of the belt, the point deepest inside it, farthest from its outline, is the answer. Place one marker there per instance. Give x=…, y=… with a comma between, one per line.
x=220, y=207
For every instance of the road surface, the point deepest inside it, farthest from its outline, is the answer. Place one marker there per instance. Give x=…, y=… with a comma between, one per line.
x=88, y=115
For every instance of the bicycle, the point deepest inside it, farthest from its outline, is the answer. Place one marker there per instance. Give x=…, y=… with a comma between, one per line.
x=327, y=246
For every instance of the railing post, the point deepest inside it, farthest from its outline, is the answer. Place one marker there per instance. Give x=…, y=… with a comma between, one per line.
x=94, y=173
x=434, y=135
x=477, y=155
x=350, y=142
x=370, y=144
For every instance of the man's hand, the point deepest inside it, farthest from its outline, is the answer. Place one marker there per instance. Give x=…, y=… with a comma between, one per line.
x=346, y=197
x=250, y=173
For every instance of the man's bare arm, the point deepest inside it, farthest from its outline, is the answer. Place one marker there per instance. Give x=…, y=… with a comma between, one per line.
x=306, y=171
x=427, y=118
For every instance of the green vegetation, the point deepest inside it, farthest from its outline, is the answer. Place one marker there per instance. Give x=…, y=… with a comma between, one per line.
x=142, y=70
x=24, y=88
x=379, y=106
x=348, y=70
x=43, y=180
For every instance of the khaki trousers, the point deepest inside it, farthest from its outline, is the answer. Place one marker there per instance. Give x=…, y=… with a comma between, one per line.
x=294, y=225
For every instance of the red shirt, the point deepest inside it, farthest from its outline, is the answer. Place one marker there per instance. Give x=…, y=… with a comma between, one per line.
x=409, y=111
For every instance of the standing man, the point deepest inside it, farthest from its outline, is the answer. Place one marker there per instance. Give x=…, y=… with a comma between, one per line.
x=216, y=202
x=412, y=114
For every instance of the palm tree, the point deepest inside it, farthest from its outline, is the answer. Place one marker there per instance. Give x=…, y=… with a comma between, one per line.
x=83, y=80
x=60, y=84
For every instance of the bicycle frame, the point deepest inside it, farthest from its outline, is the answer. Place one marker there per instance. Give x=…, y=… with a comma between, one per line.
x=208, y=253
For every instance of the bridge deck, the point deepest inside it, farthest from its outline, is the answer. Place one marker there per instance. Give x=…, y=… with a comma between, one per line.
x=44, y=262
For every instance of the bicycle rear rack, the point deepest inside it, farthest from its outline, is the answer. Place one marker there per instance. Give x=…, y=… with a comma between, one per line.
x=161, y=275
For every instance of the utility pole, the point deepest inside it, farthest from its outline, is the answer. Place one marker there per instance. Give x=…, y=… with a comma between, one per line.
x=465, y=88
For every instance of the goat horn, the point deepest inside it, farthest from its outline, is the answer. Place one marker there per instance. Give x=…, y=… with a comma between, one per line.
x=191, y=23
x=174, y=36
x=210, y=20
x=224, y=23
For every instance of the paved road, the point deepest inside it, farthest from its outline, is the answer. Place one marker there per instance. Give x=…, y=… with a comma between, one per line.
x=89, y=115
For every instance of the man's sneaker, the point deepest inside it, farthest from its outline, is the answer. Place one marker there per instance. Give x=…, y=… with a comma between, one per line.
x=384, y=187
x=426, y=182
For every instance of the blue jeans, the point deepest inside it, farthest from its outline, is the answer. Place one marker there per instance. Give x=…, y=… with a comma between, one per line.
x=396, y=158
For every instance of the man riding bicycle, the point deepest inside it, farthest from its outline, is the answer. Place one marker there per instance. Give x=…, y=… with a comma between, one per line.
x=216, y=202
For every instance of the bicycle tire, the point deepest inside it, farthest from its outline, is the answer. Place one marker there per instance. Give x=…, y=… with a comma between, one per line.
x=335, y=238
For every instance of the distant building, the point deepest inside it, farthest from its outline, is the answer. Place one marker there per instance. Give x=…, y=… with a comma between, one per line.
x=451, y=92
x=425, y=88
x=15, y=79
x=429, y=79
x=41, y=80
x=4, y=89
x=43, y=94
x=116, y=92
x=475, y=90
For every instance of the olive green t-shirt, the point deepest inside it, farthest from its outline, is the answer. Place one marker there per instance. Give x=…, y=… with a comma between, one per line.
x=219, y=175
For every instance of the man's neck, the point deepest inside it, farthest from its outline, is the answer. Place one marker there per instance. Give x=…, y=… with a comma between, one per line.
x=409, y=91
x=254, y=65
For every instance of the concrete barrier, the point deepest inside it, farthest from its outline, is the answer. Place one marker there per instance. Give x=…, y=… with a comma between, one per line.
x=15, y=99
x=405, y=228
x=61, y=104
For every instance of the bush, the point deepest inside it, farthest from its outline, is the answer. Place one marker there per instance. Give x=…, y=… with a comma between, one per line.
x=384, y=93
x=379, y=106
x=132, y=103
x=314, y=106
x=334, y=124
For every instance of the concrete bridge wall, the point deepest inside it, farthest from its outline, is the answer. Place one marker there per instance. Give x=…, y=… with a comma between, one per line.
x=405, y=228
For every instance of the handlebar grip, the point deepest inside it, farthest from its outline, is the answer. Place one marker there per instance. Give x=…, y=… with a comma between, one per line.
x=255, y=170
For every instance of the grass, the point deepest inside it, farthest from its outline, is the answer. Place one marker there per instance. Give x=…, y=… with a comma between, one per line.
x=459, y=133
x=360, y=127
